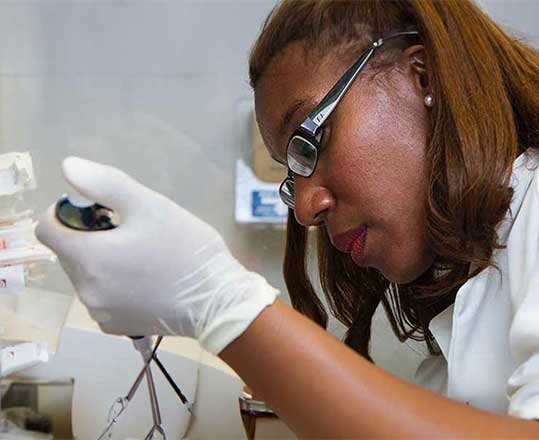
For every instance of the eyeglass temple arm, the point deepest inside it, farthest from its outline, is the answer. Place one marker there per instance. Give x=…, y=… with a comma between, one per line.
x=324, y=109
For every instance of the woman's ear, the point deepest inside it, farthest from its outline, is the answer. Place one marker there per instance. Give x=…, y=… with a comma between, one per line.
x=415, y=55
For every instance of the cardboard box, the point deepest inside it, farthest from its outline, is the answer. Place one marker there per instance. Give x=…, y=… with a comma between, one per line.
x=264, y=167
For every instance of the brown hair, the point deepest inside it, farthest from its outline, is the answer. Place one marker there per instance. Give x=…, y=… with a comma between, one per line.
x=486, y=88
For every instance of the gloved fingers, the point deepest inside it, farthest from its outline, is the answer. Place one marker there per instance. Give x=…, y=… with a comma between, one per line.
x=103, y=184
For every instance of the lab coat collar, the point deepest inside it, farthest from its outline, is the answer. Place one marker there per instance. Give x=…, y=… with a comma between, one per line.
x=521, y=179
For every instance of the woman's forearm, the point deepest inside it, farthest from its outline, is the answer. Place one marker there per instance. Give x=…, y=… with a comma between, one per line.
x=321, y=388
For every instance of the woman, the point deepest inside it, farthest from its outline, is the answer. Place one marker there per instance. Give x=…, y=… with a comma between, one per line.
x=409, y=129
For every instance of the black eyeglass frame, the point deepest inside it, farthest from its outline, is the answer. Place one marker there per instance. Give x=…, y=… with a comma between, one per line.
x=309, y=130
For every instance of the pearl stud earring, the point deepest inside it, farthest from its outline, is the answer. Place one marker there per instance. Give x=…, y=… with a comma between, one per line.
x=429, y=100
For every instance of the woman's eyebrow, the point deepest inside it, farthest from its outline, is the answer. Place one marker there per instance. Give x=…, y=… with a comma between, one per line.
x=289, y=114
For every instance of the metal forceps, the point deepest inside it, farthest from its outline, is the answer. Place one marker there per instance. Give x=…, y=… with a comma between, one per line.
x=143, y=344
x=120, y=404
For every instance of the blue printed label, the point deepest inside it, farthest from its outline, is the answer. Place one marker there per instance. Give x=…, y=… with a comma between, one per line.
x=267, y=204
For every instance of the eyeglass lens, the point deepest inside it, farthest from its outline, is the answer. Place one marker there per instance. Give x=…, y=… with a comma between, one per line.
x=286, y=191
x=301, y=156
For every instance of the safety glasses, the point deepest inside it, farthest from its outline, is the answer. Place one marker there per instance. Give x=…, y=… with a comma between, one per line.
x=303, y=148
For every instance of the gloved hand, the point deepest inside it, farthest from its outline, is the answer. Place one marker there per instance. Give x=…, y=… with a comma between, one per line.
x=163, y=271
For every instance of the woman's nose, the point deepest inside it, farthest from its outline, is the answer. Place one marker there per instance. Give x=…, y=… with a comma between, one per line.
x=312, y=201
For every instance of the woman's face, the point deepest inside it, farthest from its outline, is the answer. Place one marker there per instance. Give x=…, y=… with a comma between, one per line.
x=370, y=174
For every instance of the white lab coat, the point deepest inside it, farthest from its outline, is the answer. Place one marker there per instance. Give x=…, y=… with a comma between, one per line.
x=490, y=335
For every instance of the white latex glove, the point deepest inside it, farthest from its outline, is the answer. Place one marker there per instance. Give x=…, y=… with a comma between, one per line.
x=163, y=271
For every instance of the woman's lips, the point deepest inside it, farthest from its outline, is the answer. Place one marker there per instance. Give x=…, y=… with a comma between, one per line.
x=353, y=242
x=358, y=249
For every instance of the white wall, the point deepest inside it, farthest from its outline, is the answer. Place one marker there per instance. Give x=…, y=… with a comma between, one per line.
x=517, y=16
